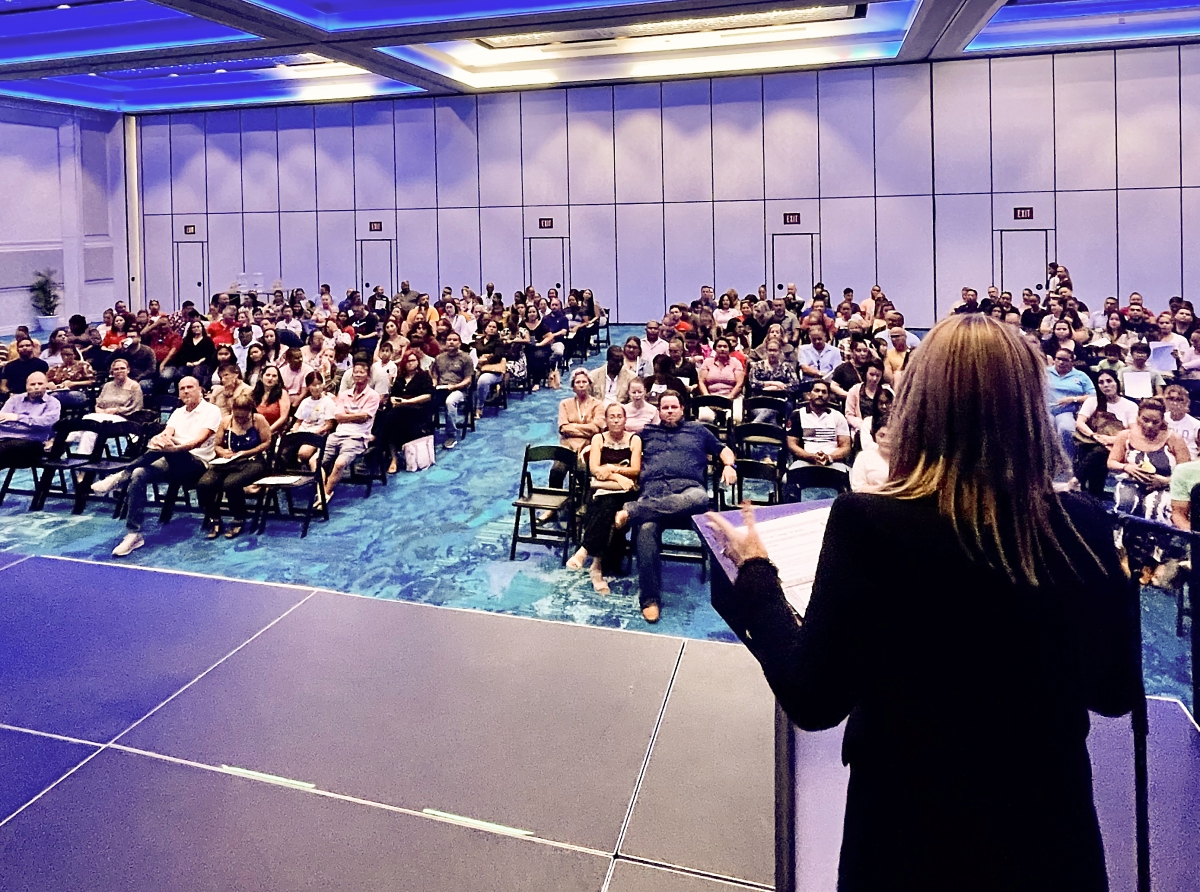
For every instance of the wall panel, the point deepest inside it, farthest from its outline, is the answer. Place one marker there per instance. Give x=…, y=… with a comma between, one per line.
x=1191, y=243
x=689, y=247
x=417, y=250
x=903, y=139
x=458, y=248
x=415, y=166
x=544, y=147
x=500, y=248
x=637, y=141
x=336, y=251
x=1022, y=119
x=159, y=258
x=737, y=137
x=1148, y=118
x=154, y=143
x=790, y=135
x=297, y=159
x=640, y=267
x=500, y=149
x=1085, y=121
x=187, y=164
x=223, y=160
x=298, y=251
x=1149, y=244
x=374, y=155
x=741, y=253
x=963, y=242
x=590, y=150
x=457, y=153
x=845, y=101
x=225, y=258
x=1087, y=242
x=1189, y=113
x=961, y=127
x=904, y=233
x=848, y=244
x=687, y=141
x=594, y=251
x=260, y=160
x=261, y=239
x=335, y=160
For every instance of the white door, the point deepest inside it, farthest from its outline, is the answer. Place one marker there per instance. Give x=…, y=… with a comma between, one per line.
x=548, y=264
x=793, y=259
x=190, y=275
x=1023, y=257
x=375, y=266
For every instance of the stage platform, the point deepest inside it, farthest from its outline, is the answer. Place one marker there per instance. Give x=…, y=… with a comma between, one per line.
x=164, y=730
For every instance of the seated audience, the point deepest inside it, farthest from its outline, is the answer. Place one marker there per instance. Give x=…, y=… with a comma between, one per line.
x=355, y=418
x=293, y=372
x=580, y=417
x=639, y=411
x=27, y=423
x=610, y=382
x=491, y=363
x=675, y=455
x=1067, y=389
x=231, y=386
x=452, y=371
x=410, y=416
x=1099, y=420
x=662, y=380
x=21, y=333
x=17, y=370
x=862, y=399
x=1179, y=419
x=180, y=454
x=196, y=355
x=1138, y=380
x=1143, y=457
x=849, y=373
x=70, y=378
x=242, y=441
x=119, y=399
x=817, y=359
x=817, y=434
x=723, y=375
x=614, y=462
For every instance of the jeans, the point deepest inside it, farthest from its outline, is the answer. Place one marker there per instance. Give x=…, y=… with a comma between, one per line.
x=1065, y=422
x=646, y=515
x=484, y=385
x=454, y=400
x=153, y=467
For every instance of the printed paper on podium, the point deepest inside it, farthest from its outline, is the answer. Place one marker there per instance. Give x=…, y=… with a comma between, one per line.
x=794, y=545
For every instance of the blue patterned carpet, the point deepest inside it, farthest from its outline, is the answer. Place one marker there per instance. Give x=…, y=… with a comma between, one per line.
x=441, y=537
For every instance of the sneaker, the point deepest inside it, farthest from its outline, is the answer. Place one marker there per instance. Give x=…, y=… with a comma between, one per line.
x=128, y=544
x=107, y=484
x=450, y=444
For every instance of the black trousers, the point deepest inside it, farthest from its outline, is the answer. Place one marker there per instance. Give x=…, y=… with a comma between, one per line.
x=228, y=480
x=598, y=535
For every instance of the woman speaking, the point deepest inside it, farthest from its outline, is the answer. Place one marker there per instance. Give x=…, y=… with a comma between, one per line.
x=967, y=659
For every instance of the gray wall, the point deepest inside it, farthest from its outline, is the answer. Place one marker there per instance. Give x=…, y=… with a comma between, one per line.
x=902, y=175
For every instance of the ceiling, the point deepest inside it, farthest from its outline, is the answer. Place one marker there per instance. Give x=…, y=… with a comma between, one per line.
x=138, y=55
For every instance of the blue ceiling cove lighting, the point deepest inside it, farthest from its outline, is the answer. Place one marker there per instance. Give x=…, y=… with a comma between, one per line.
x=348, y=15
x=272, y=79
x=31, y=32
x=1073, y=22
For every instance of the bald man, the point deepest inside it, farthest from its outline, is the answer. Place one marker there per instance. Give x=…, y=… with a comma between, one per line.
x=27, y=423
x=180, y=454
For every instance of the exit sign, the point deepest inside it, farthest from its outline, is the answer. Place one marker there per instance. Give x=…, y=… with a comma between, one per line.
x=545, y=222
x=1022, y=213
x=791, y=219
x=189, y=229
x=376, y=225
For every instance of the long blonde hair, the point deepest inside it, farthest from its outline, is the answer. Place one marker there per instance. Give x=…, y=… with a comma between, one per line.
x=971, y=425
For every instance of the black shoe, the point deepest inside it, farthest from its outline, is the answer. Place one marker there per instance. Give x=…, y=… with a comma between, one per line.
x=234, y=530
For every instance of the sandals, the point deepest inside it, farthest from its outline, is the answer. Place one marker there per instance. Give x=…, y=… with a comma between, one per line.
x=234, y=530
x=212, y=530
x=600, y=584
x=576, y=560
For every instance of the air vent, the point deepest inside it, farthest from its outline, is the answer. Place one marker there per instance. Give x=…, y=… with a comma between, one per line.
x=772, y=18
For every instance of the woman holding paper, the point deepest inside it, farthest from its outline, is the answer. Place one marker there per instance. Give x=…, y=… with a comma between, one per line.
x=967, y=700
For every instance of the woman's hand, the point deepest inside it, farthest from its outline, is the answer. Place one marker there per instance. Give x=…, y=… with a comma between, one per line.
x=739, y=544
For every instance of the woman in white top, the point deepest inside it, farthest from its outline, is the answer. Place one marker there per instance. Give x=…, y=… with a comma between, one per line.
x=1168, y=335
x=726, y=310
x=638, y=412
x=870, y=470
x=1099, y=420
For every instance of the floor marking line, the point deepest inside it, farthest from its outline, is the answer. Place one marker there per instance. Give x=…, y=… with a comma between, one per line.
x=89, y=758
x=260, y=632
x=14, y=563
x=49, y=734
x=268, y=778
x=696, y=872
x=75, y=560
x=477, y=823
x=637, y=786
x=1178, y=703
x=260, y=777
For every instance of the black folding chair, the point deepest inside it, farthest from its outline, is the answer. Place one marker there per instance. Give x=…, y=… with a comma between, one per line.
x=290, y=474
x=804, y=477
x=59, y=460
x=118, y=445
x=775, y=404
x=538, y=499
x=752, y=438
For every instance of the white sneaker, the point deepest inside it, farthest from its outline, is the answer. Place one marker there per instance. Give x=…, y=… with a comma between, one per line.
x=107, y=484
x=128, y=544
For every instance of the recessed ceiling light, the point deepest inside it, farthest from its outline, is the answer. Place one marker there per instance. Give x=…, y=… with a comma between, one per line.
x=92, y=74
x=173, y=74
x=63, y=6
x=220, y=71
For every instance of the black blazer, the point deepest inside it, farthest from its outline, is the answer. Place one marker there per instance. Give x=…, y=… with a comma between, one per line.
x=967, y=696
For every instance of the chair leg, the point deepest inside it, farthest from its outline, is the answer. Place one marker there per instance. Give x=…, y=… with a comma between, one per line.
x=7, y=480
x=512, y=550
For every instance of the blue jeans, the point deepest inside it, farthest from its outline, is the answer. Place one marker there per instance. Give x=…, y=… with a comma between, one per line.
x=181, y=467
x=454, y=400
x=646, y=516
x=1065, y=422
x=484, y=385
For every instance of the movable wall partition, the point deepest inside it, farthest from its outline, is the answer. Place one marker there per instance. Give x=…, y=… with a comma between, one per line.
x=922, y=178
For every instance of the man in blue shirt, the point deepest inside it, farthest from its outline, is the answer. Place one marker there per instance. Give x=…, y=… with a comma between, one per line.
x=674, y=460
x=26, y=423
x=1067, y=388
x=816, y=358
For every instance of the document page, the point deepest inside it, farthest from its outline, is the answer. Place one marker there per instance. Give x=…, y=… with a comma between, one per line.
x=794, y=545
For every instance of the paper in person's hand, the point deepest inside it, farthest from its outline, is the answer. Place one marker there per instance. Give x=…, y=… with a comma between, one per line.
x=794, y=544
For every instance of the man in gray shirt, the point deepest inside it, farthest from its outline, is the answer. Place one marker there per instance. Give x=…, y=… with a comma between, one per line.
x=452, y=371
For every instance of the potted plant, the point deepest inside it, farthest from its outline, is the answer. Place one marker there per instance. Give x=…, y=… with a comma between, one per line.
x=44, y=296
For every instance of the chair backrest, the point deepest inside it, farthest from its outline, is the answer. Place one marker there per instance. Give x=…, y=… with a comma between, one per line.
x=748, y=469
x=290, y=443
x=712, y=401
x=538, y=455
x=776, y=404
x=817, y=477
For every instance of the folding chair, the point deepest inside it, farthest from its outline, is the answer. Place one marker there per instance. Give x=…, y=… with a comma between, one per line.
x=537, y=499
x=289, y=474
